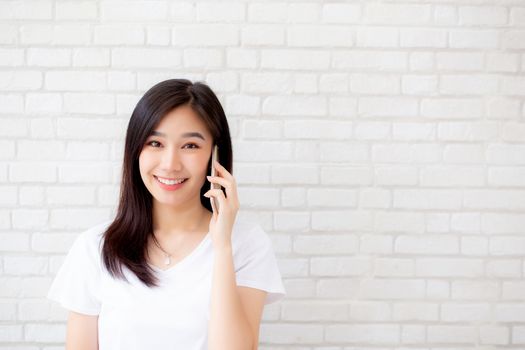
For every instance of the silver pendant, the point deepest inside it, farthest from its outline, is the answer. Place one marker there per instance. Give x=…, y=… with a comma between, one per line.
x=167, y=261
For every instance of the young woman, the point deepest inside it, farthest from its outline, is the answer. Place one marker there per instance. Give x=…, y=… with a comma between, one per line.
x=171, y=271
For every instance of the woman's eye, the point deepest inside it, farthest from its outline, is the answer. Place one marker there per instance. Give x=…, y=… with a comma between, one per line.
x=191, y=144
x=153, y=143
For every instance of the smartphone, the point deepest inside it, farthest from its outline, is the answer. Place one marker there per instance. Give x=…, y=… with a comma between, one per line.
x=214, y=158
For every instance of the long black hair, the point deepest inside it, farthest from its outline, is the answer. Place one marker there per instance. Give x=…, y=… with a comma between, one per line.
x=125, y=239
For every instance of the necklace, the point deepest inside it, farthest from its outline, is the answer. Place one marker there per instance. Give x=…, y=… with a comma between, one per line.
x=167, y=259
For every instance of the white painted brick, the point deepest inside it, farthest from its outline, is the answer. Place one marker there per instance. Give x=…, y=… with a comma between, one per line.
x=437, y=289
x=26, y=10
x=34, y=34
x=419, y=84
x=494, y=199
x=467, y=131
x=32, y=196
x=427, y=245
x=405, y=14
x=326, y=244
x=503, y=268
x=84, y=173
x=263, y=34
x=422, y=61
x=33, y=310
x=473, y=39
x=513, y=290
x=8, y=311
x=297, y=333
x=507, y=246
x=300, y=287
x=427, y=199
x=343, y=151
x=468, y=84
x=341, y=13
x=445, y=108
x=419, y=38
x=11, y=103
x=75, y=80
x=388, y=107
x=513, y=39
x=11, y=57
x=369, y=333
x=445, y=14
x=507, y=176
x=502, y=223
x=405, y=153
x=464, y=154
x=448, y=334
x=118, y=34
x=503, y=108
x=413, y=311
x=202, y=58
x=510, y=312
x=53, y=243
x=301, y=311
x=303, y=12
x=517, y=16
x=9, y=195
x=381, y=244
x=223, y=82
x=41, y=150
x=455, y=312
x=89, y=128
x=252, y=173
x=91, y=57
x=20, y=80
x=76, y=10
x=14, y=242
x=191, y=35
x=449, y=267
x=502, y=62
x=43, y=103
x=459, y=61
x=399, y=222
x=261, y=129
x=223, y=12
x=262, y=150
x=5, y=219
x=396, y=175
x=42, y=128
x=142, y=58
x=390, y=289
x=372, y=130
x=474, y=246
x=437, y=222
x=291, y=221
x=293, y=197
x=326, y=197
x=158, y=35
x=414, y=131
x=320, y=36
x=23, y=265
x=333, y=83
x=135, y=11
x=375, y=84
x=121, y=81
x=8, y=33
x=12, y=333
x=40, y=57
x=336, y=267
x=295, y=59
x=341, y=220
x=295, y=105
x=294, y=174
x=518, y=335
x=181, y=11
x=450, y=176
x=317, y=129
x=370, y=60
x=267, y=83
x=413, y=334
x=342, y=106
x=482, y=15
x=494, y=335
x=7, y=149
x=259, y=197
x=370, y=311
x=293, y=267
x=108, y=196
x=393, y=267
x=25, y=172
x=305, y=83
x=268, y=12
x=29, y=218
x=87, y=151
x=76, y=219
x=89, y=103
x=241, y=58
x=70, y=195
x=377, y=37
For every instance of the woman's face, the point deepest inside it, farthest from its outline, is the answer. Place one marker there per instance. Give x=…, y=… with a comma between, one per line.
x=178, y=148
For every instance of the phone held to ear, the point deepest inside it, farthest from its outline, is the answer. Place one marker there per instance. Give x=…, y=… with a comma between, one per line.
x=214, y=158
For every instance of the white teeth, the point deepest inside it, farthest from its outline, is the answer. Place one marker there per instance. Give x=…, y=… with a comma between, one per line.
x=170, y=182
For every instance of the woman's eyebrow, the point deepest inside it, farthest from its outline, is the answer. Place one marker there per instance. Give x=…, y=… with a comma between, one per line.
x=185, y=135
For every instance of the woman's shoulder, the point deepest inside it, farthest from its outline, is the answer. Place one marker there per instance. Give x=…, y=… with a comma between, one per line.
x=92, y=237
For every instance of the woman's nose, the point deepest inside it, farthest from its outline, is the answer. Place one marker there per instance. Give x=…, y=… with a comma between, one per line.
x=171, y=160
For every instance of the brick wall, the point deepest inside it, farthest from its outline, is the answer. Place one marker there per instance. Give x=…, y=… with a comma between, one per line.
x=381, y=144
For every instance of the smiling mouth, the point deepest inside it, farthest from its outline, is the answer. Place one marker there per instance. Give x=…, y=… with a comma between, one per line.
x=167, y=181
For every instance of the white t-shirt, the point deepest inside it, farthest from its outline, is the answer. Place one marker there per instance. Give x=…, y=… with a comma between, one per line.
x=174, y=315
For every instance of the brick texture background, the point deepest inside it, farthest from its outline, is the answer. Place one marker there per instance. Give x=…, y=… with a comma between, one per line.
x=380, y=143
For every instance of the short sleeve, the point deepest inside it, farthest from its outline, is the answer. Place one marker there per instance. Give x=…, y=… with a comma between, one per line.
x=256, y=265
x=75, y=285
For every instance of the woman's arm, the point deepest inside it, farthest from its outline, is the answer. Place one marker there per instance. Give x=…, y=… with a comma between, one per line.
x=82, y=332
